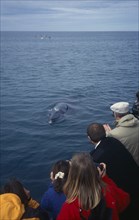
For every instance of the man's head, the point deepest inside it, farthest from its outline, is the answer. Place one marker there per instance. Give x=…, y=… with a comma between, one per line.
x=120, y=109
x=96, y=132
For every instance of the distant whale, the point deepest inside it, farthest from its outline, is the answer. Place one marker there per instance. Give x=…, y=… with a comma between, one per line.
x=57, y=112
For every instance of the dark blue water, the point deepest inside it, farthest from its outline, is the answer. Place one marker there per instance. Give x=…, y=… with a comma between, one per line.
x=88, y=70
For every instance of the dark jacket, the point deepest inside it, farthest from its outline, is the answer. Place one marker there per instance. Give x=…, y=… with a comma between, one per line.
x=135, y=109
x=121, y=167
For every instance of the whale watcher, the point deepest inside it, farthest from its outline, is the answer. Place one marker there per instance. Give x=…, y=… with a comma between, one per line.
x=53, y=198
x=135, y=107
x=16, y=203
x=121, y=166
x=126, y=129
x=90, y=193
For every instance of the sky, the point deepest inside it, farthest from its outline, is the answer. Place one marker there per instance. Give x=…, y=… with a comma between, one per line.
x=68, y=15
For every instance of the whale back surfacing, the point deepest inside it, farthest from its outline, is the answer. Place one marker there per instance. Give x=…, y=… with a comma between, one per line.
x=57, y=112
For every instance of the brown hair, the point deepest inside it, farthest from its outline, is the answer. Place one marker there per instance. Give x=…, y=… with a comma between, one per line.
x=16, y=187
x=83, y=182
x=96, y=132
x=60, y=166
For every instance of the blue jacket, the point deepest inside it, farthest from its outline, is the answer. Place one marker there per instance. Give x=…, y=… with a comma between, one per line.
x=52, y=201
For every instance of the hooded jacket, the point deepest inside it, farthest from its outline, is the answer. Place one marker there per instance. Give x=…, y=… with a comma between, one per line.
x=11, y=207
x=127, y=131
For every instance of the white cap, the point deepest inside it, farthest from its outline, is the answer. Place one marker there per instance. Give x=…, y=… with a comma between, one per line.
x=120, y=107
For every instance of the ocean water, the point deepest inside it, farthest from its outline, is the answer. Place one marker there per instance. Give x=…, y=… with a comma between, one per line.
x=87, y=70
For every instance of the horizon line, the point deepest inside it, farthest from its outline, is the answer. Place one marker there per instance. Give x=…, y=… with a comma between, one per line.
x=68, y=31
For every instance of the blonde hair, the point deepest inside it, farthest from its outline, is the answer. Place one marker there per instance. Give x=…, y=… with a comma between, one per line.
x=83, y=182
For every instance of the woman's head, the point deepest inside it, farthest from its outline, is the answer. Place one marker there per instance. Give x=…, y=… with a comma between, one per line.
x=83, y=182
x=16, y=187
x=59, y=174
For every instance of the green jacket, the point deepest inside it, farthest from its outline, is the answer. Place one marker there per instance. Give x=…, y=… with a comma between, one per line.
x=127, y=131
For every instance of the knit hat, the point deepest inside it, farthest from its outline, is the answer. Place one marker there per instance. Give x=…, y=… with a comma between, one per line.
x=11, y=206
x=120, y=107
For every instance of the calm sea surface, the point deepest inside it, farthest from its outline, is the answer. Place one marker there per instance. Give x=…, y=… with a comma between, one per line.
x=87, y=70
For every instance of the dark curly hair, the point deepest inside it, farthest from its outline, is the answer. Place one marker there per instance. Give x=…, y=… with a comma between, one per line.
x=16, y=187
x=60, y=166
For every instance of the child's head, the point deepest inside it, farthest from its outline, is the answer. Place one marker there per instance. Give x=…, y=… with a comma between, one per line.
x=16, y=187
x=59, y=174
x=83, y=182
